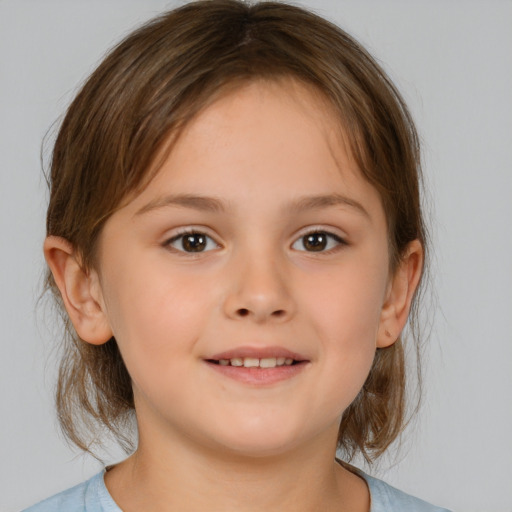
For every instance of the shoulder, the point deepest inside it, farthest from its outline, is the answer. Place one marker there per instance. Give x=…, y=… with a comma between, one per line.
x=386, y=498
x=89, y=496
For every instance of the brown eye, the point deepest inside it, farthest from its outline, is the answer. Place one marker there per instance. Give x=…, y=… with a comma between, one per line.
x=315, y=242
x=318, y=241
x=192, y=242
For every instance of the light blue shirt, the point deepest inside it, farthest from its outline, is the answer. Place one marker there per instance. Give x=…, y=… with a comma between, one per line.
x=93, y=496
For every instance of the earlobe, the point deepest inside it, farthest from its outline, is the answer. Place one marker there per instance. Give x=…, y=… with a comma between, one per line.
x=399, y=296
x=80, y=291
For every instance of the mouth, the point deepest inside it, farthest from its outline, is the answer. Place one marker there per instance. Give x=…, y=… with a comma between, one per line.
x=258, y=366
x=254, y=362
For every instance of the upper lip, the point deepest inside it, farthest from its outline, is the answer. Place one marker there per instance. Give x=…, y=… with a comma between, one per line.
x=258, y=353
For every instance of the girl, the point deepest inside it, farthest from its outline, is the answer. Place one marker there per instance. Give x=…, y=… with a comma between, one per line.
x=235, y=234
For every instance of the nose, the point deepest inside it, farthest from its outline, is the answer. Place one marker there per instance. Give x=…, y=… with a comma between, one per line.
x=258, y=290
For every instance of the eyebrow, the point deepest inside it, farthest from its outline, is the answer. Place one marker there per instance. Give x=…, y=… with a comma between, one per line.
x=202, y=203
x=215, y=205
x=326, y=201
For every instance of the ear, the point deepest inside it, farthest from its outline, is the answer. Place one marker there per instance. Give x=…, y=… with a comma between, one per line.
x=400, y=293
x=80, y=290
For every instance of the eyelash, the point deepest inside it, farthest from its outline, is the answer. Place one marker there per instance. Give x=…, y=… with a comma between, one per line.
x=181, y=235
x=337, y=239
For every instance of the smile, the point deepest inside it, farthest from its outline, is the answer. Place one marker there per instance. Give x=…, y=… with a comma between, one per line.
x=254, y=362
x=258, y=366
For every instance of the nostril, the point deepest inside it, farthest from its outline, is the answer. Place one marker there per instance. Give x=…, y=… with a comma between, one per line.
x=278, y=313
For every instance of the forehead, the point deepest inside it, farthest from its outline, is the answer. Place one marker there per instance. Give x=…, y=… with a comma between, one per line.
x=280, y=115
x=266, y=137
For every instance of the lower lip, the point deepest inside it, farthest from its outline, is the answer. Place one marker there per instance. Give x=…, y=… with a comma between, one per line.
x=259, y=376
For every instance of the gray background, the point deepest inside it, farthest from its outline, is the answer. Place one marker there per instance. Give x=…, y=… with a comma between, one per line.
x=451, y=59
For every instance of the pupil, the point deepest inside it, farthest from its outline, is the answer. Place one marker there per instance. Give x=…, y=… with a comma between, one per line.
x=315, y=242
x=194, y=243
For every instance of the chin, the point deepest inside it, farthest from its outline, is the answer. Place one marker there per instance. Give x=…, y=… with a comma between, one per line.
x=258, y=439
x=258, y=450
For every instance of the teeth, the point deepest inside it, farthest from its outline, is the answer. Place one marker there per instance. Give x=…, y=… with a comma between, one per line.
x=269, y=362
x=253, y=362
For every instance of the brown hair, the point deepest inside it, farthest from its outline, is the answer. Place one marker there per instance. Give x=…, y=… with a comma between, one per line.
x=150, y=86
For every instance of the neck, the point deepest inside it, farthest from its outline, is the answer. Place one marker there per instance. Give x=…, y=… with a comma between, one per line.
x=164, y=477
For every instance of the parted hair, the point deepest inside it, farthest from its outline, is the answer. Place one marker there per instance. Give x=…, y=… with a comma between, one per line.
x=145, y=91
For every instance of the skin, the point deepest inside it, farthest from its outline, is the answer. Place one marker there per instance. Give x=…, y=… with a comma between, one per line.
x=205, y=438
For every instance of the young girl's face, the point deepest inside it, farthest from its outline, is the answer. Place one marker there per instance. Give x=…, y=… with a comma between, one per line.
x=258, y=241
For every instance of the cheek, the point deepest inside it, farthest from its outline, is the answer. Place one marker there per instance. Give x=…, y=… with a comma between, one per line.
x=345, y=315
x=346, y=305
x=156, y=317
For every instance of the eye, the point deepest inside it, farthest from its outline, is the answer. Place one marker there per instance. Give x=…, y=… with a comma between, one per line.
x=318, y=241
x=192, y=241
